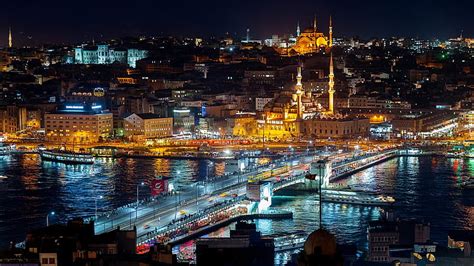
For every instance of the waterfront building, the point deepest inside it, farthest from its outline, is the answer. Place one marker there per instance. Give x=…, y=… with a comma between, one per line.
x=336, y=127
x=245, y=246
x=148, y=126
x=428, y=125
x=78, y=123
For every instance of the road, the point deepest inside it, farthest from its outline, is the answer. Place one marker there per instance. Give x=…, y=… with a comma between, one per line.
x=186, y=200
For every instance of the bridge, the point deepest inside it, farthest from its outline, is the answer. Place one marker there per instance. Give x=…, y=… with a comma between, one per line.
x=167, y=218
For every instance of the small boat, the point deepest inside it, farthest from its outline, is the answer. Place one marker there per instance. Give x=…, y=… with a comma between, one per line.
x=68, y=157
x=468, y=184
x=289, y=241
x=3, y=177
x=6, y=149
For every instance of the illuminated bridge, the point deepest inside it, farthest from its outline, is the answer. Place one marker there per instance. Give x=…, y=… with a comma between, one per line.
x=168, y=218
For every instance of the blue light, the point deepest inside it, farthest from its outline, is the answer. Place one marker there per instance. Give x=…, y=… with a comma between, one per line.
x=76, y=107
x=96, y=106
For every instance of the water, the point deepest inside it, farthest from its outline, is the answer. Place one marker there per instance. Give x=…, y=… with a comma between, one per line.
x=34, y=188
x=425, y=188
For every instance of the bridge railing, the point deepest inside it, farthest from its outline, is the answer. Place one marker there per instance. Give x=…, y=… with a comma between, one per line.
x=176, y=224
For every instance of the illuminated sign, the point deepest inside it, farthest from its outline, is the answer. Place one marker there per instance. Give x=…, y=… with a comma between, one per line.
x=96, y=106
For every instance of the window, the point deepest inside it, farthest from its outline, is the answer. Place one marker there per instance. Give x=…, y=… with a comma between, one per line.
x=44, y=261
x=52, y=261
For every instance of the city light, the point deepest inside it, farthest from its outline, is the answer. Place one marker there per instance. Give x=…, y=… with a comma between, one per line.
x=286, y=134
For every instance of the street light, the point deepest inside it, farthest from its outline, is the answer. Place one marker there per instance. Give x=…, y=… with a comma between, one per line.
x=100, y=197
x=207, y=176
x=136, y=209
x=47, y=217
x=177, y=203
x=242, y=167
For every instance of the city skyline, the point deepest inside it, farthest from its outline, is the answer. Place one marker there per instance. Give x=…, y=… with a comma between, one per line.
x=53, y=21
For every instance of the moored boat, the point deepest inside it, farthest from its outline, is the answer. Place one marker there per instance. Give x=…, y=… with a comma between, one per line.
x=356, y=197
x=69, y=157
x=468, y=184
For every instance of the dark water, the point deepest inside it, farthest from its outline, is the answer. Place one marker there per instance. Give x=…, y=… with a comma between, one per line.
x=425, y=188
x=34, y=188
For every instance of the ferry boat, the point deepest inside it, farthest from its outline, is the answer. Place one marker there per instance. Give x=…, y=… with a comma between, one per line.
x=6, y=149
x=289, y=241
x=69, y=157
x=468, y=184
x=356, y=197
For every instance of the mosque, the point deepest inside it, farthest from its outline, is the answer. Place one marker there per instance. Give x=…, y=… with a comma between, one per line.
x=296, y=113
x=310, y=40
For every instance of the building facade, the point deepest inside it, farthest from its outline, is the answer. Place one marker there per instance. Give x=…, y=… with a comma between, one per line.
x=148, y=126
x=78, y=124
x=103, y=54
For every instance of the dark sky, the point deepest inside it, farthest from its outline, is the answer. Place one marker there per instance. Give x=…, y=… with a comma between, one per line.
x=71, y=21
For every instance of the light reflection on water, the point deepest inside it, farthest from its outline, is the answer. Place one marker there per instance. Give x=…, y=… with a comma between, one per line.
x=35, y=188
x=425, y=188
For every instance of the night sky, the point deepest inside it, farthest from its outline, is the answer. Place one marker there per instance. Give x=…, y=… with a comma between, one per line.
x=37, y=21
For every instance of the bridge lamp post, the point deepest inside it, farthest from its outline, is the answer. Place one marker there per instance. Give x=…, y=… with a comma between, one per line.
x=207, y=176
x=177, y=203
x=97, y=198
x=241, y=168
x=136, y=209
x=47, y=217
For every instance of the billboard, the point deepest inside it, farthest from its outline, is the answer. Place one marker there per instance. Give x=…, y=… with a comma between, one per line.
x=158, y=186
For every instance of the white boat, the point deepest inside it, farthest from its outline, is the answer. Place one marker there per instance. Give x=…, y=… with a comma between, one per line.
x=68, y=157
x=468, y=184
x=3, y=177
x=6, y=149
x=356, y=197
x=289, y=241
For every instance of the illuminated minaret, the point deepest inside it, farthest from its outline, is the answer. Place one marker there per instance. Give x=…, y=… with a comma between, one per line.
x=331, y=87
x=248, y=35
x=330, y=31
x=299, y=92
x=315, y=24
x=298, y=32
x=10, y=39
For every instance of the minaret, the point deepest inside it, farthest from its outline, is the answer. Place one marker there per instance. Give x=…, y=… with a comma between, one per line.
x=331, y=87
x=330, y=31
x=299, y=92
x=248, y=35
x=10, y=39
x=298, y=31
x=315, y=24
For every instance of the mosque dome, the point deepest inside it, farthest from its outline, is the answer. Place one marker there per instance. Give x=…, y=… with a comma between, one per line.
x=322, y=242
